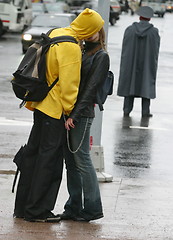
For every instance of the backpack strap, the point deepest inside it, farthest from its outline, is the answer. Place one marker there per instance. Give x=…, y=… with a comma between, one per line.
x=63, y=38
x=54, y=40
x=53, y=84
x=50, y=30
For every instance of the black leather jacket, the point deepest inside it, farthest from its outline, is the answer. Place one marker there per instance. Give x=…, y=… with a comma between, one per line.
x=93, y=72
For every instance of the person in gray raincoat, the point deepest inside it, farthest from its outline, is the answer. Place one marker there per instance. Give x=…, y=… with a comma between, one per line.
x=139, y=59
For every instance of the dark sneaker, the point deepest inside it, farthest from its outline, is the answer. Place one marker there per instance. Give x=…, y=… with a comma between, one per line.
x=126, y=115
x=98, y=216
x=82, y=219
x=66, y=216
x=51, y=218
x=147, y=115
x=18, y=215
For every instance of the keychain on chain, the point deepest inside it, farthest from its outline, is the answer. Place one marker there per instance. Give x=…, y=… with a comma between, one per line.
x=80, y=144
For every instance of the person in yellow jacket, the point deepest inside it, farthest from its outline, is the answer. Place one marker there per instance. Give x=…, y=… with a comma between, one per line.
x=42, y=156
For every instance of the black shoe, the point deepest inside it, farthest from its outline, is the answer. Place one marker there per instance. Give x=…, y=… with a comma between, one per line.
x=147, y=115
x=82, y=219
x=18, y=215
x=97, y=216
x=66, y=216
x=51, y=218
x=126, y=115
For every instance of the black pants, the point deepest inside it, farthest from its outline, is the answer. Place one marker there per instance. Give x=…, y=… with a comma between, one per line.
x=42, y=167
x=128, y=105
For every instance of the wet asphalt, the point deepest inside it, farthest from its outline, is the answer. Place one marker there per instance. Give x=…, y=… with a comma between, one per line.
x=138, y=154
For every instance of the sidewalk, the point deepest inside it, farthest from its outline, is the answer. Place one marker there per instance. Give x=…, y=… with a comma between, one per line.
x=134, y=209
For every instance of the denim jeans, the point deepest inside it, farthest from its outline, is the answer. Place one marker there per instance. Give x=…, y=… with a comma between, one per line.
x=84, y=194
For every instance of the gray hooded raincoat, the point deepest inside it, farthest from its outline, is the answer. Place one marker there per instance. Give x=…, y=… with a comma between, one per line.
x=139, y=60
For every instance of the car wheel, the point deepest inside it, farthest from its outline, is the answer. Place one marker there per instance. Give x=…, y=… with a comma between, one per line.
x=23, y=50
x=112, y=21
x=1, y=29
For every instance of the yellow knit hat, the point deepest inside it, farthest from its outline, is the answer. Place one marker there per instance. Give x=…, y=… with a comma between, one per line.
x=87, y=23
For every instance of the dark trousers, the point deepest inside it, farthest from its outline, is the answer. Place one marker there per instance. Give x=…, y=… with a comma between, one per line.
x=42, y=167
x=128, y=105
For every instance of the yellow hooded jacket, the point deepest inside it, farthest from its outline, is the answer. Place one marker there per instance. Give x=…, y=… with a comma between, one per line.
x=63, y=60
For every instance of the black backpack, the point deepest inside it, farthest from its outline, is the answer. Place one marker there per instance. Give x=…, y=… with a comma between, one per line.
x=104, y=90
x=29, y=82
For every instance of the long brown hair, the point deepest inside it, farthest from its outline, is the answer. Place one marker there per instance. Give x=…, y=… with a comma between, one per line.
x=101, y=44
x=102, y=38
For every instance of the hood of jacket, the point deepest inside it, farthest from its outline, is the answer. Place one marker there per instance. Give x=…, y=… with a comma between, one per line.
x=87, y=23
x=142, y=27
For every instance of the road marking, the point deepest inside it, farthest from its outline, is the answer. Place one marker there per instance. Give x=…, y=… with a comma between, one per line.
x=149, y=128
x=7, y=122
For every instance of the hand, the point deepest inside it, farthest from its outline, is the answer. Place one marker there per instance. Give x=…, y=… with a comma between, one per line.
x=69, y=123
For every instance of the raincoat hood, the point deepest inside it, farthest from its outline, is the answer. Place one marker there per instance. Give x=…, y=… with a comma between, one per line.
x=142, y=28
x=87, y=24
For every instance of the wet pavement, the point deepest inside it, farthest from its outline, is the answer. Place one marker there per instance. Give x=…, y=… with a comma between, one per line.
x=138, y=153
x=135, y=209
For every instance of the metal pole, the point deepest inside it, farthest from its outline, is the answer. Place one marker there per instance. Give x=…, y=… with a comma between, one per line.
x=97, y=153
x=104, y=9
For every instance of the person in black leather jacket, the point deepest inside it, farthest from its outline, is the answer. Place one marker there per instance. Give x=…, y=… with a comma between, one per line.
x=84, y=203
x=91, y=78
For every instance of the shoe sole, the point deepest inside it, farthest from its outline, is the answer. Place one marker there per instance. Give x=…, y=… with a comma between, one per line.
x=53, y=220
x=96, y=217
x=66, y=217
x=18, y=216
x=48, y=220
x=81, y=220
x=88, y=220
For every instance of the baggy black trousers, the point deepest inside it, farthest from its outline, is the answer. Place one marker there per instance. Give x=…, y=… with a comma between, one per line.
x=42, y=167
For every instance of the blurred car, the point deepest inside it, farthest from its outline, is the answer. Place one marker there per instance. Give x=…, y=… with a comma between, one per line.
x=124, y=6
x=158, y=6
x=115, y=6
x=169, y=6
x=57, y=7
x=1, y=29
x=113, y=14
x=38, y=8
x=42, y=24
x=49, y=7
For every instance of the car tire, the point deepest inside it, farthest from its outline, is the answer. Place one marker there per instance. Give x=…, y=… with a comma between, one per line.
x=23, y=50
x=1, y=29
x=113, y=21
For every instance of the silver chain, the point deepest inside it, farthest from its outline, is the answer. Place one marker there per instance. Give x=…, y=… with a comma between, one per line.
x=80, y=144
